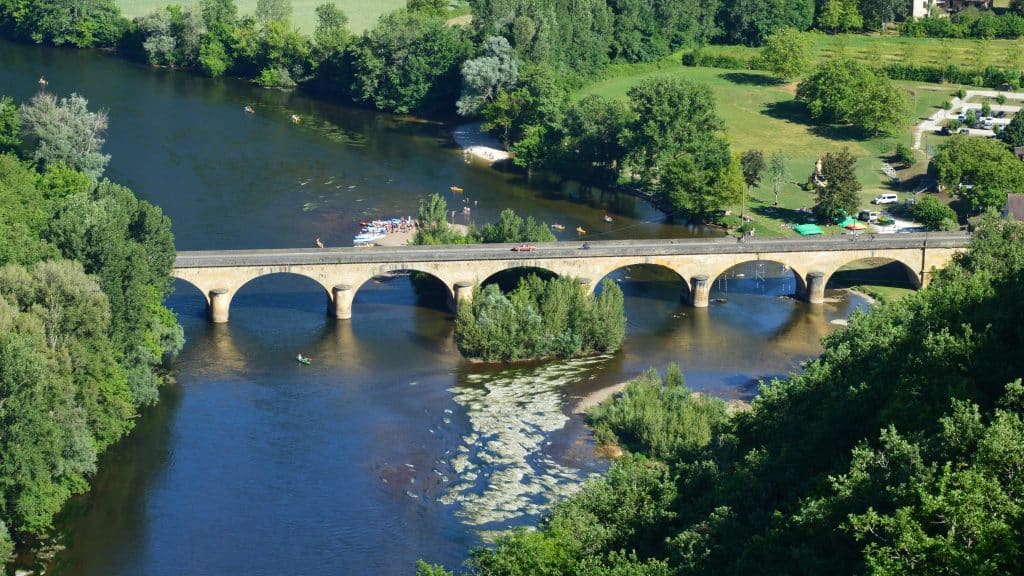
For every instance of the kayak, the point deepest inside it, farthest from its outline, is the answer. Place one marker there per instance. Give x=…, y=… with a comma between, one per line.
x=303, y=359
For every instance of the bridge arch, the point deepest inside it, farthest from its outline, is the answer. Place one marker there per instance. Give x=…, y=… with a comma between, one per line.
x=508, y=278
x=719, y=276
x=910, y=266
x=420, y=279
x=874, y=270
x=646, y=272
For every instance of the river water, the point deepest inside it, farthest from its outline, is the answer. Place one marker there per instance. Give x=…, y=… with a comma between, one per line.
x=389, y=447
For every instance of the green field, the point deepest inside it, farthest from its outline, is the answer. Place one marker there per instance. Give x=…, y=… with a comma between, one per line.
x=761, y=113
x=362, y=14
x=875, y=48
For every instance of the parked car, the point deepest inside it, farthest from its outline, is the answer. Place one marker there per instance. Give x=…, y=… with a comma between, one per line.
x=886, y=199
x=524, y=248
x=945, y=131
x=986, y=123
x=868, y=215
x=1004, y=87
x=1001, y=114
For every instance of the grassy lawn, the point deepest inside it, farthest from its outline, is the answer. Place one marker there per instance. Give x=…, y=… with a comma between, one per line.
x=362, y=14
x=876, y=48
x=761, y=113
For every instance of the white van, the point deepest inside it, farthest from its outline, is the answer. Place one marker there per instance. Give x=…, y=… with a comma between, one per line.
x=886, y=199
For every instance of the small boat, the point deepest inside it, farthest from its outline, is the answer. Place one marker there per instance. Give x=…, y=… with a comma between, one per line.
x=296, y=119
x=580, y=230
x=249, y=110
x=608, y=218
x=558, y=226
x=456, y=189
x=303, y=359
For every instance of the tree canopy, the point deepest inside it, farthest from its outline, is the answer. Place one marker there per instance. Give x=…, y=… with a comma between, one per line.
x=979, y=170
x=846, y=91
x=837, y=195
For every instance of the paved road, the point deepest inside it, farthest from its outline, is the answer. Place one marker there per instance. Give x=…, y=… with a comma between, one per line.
x=551, y=250
x=934, y=122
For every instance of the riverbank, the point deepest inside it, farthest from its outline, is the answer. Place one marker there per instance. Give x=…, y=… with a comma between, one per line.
x=478, y=143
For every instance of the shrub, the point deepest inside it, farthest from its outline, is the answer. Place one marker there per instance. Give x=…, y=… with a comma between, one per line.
x=731, y=221
x=1001, y=99
x=905, y=155
x=960, y=92
x=946, y=105
x=934, y=214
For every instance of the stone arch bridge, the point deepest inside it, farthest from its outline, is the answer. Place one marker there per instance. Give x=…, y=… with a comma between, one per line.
x=698, y=262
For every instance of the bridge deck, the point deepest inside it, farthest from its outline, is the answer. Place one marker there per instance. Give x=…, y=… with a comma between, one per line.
x=568, y=249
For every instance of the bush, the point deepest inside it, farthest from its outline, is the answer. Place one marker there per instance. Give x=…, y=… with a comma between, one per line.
x=1001, y=99
x=730, y=222
x=934, y=214
x=960, y=92
x=658, y=417
x=904, y=155
x=275, y=77
x=946, y=105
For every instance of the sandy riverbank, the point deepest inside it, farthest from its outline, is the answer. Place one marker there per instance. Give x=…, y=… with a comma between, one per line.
x=478, y=143
x=405, y=238
x=596, y=397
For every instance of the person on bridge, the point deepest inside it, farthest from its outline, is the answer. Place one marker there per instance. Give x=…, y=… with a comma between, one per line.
x=319, y=244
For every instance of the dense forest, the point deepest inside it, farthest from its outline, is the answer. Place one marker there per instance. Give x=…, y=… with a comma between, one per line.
x=900, y=450
x=84, y=269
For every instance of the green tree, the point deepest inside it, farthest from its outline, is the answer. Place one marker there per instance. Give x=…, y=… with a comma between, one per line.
x=484, y=77
x=849, y=92
x=592, y=139
x=435, y=7
x=904, y=155
x=331, y=35
x=979, y=170
x=1013, y=133
x=26, y=212
x=787, y=53
x=128, y=244
x=838, y=195
x=676, y=136
x=511, y=227
x=840, y=16
x=752, y=164
x=270, y=11
x=934, y=214
x=750, y=22
x=777, y=173
x=10, y=126
x=689, y=186
x=66, y=131
x=409, y=62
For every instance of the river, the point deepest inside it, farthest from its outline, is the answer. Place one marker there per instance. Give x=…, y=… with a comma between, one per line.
x=389, y=447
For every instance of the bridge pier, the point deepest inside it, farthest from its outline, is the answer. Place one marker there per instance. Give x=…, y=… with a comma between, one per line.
x=815, y=291
x=219, y=304
x=700, y=287
x=463, y=293
x=340, y=304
